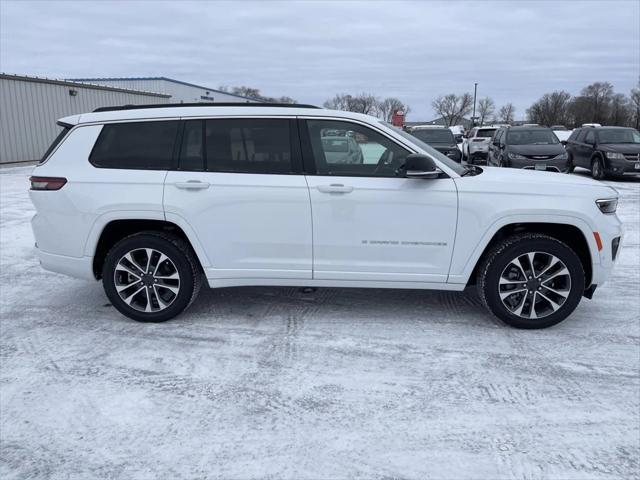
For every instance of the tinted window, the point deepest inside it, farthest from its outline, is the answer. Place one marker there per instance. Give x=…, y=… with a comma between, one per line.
x=367, y=153
x=486, y=132
x=191, y=153
x=139, y=145
x=574, y=135
x=434, y=135
x=55, y=143
x=589, y=137
x=248, y=146
x=619, y=135
x=531, y=137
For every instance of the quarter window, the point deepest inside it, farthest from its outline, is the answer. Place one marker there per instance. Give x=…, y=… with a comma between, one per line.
x=135, y=145
x=348, y=149
x=248, y=146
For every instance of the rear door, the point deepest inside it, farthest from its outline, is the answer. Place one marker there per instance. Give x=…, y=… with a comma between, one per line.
x=239, y=187
x=369, y=224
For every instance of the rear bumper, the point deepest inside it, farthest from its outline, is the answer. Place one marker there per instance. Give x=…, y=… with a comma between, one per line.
x=78, y=267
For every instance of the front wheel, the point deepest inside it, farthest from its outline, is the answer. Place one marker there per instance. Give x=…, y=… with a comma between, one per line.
x=597, y=169
x=570, y=166
x=151, y=276
x=531, y=281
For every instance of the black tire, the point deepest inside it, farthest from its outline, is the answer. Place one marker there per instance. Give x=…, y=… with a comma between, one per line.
x=501, y=255
x=177, y=250
x=597, y=169
x=570, y=166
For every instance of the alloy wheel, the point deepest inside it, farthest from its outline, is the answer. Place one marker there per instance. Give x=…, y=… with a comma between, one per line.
x=534, y=285
x=146, y=280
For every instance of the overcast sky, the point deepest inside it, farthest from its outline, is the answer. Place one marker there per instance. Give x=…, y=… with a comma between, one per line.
x=516, y=51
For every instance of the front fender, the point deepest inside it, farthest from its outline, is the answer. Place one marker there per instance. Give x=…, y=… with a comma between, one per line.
x=466, y=257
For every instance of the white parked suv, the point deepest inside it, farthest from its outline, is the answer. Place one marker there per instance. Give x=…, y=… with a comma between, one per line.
x=155, y=200
x=475, y=146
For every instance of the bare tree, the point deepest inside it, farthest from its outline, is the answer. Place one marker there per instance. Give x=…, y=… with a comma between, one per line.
x=453, y=107
x=620, y=110
x=506, y=114
x=635, y=107
x=596, y=102
x=486, y=107
x=389, y=105
x=254, y=93
x=362, y=103
x=551, y=109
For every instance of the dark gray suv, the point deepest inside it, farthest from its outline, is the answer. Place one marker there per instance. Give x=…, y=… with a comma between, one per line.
x=527, y=147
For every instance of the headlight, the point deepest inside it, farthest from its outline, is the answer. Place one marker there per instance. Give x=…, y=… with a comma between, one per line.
x=516, y=156
x=563, y=156
x=614, y=155
x=607, y=205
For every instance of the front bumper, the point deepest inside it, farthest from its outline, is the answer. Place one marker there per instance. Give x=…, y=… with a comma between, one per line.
x=610, y=230
x=622, y=167
x=477, y=157
x=551, y=164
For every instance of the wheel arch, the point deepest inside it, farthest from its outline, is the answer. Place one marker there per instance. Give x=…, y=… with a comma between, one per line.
x=115, y=230
x=569, y=233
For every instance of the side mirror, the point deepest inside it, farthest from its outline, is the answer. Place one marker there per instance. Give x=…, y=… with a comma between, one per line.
x=420, y=166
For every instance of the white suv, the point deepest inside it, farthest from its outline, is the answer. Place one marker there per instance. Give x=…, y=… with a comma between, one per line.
x=475, y=146
x=154, y=200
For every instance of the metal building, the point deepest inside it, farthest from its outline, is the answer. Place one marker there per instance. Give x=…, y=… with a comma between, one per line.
x=30, y=106
x=181, y=92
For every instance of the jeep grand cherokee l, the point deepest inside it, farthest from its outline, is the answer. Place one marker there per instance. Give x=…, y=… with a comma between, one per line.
x=152, y=201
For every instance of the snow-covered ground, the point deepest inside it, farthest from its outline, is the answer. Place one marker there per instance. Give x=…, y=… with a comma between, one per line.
x=338, y=383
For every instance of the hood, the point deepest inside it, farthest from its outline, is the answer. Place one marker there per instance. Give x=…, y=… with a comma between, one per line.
x=531, y=182
x=625, y=148
x=554, y=149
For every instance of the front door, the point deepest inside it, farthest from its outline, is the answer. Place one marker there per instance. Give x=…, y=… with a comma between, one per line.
x=368, y=223
x=241, y=191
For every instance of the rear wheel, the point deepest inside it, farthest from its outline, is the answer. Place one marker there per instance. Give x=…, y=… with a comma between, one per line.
x=531, y=281
x=597, y=169
x=151, y=276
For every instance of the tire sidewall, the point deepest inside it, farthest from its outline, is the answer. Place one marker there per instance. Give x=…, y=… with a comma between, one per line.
x=175, y=255
x=598, y=173
x=498, y=265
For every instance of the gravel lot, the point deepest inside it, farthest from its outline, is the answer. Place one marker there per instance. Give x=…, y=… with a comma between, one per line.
x=338, y=383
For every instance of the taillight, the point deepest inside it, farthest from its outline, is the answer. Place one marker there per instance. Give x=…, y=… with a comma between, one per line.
x=47, y=183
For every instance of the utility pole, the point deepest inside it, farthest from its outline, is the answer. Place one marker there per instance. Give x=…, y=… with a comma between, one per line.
x=475, y=92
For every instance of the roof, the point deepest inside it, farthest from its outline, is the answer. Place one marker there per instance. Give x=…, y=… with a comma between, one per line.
x=166, y=79
x=71, y=83
x=205, y=110
x=201, y=104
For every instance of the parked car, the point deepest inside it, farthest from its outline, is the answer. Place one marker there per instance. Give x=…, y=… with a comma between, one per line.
x=154, y=200
x=458, y=132
x=529, y=148
x=606, y=151
x=475, y=146
x=441, y=139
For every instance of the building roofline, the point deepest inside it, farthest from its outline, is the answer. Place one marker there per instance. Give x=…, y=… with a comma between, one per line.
x=166, y=79
x=70, y=83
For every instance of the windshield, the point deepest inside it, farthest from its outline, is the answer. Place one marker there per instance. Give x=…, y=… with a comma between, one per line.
x=434, y=135
x=619, y=135
x=486, y=132
x=456, y=167
x=531, y=137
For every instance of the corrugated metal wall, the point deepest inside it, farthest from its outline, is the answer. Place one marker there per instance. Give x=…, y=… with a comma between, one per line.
x=30, y=108
x=179, y=92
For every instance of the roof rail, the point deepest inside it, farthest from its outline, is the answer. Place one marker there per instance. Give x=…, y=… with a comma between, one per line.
x=218, y=104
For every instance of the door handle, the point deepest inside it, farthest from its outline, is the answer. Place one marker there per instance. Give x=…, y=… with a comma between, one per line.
x=335, y=188
x=192, y=185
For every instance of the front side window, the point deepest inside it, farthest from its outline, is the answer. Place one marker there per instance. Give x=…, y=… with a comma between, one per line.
x=350, y=149
x=531, y=137
x=135, y=145
x=248, y=145
x=590, y=137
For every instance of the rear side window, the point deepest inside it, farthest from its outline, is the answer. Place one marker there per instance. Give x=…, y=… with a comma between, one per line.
x=248, y=146
x=136, y=145
x=55, y=143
